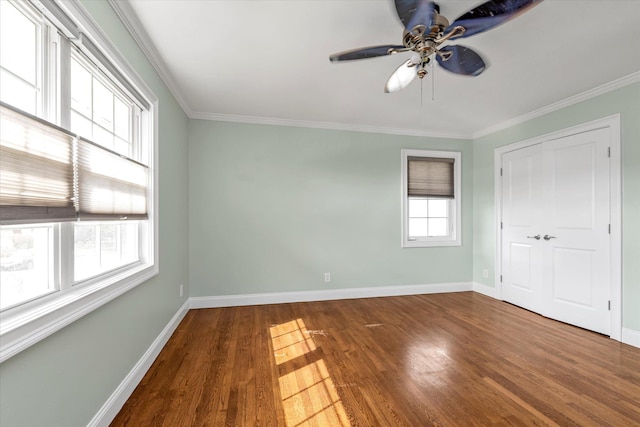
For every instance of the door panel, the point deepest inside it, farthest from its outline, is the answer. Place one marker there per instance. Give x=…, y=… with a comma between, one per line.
x=574, y=185
x=572, y=277
x=521, y=266
x=521, y=189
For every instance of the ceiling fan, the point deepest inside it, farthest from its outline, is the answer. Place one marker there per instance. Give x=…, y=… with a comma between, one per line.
x=425, y=30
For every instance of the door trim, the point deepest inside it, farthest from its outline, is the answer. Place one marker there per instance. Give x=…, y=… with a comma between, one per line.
x=615, y=180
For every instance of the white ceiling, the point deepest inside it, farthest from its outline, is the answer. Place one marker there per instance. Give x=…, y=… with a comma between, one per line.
x=268, y=62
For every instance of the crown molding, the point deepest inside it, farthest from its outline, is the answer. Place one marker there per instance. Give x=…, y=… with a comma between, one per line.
x=130, y=20
x=572, y=100
x=326, y=125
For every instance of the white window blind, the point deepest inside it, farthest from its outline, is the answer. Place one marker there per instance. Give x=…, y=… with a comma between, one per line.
x=50, y=175
x=431, y=177
x=36, y=170
x=110, y=186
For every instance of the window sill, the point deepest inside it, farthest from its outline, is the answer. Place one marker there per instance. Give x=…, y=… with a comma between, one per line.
x=24, y=326
x=430, y=243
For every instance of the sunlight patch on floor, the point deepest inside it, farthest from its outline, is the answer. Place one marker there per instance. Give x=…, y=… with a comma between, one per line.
x=308, y=393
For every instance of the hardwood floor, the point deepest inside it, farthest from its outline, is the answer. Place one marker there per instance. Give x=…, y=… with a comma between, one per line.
x=459, y=359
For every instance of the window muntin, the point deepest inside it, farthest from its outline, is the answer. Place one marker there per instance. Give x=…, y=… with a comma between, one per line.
x=431, y=198
x=98, y=109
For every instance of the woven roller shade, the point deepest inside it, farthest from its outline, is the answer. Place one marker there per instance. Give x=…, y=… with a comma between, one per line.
x=110, y=186
x=430, y=177
x=36, y=170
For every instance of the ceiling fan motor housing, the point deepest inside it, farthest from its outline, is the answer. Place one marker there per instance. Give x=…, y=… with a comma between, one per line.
x=415, y=39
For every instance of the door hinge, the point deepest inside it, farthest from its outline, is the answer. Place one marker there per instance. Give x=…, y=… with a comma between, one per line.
x=609, y=228
x=501, y=278
x=500, y=225
x=609, y=152
x=500, y=171
x=609, y=305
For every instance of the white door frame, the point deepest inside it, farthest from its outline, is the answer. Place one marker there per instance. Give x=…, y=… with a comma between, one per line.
x=615, y=180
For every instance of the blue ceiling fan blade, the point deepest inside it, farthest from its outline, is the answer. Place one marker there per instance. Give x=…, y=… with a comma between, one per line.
x=365, y=52
x=461, y=60
x=413, y=13
x=490, y=14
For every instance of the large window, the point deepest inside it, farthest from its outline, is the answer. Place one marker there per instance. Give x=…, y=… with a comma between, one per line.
x=430, y=198
x=76, y=170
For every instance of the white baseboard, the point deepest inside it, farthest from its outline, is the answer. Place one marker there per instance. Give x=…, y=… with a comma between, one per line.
x=485, y=290
x=631, y=337
x=326, y=295
x=112, y=406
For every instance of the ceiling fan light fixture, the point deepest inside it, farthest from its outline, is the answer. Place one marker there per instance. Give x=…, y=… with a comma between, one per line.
x=402, y=77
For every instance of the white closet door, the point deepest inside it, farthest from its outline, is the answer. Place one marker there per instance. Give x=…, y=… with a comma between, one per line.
x=521, y=210
x=558, y=190
x=576, y=259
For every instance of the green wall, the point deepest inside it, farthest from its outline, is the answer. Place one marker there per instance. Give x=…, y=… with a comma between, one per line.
x=625, y=101
x=273, y=208
x=65, y=379
x=270, y=209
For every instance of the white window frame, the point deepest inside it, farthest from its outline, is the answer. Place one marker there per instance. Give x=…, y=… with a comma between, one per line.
x=455, y=205
x=27, y=324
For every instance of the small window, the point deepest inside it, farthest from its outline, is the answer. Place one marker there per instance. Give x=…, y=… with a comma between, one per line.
x=430, y=198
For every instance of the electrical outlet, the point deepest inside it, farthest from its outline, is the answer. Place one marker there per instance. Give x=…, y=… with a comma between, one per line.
x=485, y=273
x=327, y=277
x=181, y=290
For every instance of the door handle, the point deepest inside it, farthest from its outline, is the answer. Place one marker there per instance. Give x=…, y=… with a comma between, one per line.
x=547, y=237
x=537, y=237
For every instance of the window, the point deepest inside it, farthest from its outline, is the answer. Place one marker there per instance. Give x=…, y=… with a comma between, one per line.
x=76, y=171
x=430, y=198
x=21, y=55
x=99, y=111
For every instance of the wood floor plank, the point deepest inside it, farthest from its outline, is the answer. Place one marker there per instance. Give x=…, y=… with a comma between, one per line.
x=459, y=359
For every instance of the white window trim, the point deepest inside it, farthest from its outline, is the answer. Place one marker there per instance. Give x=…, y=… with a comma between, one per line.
x=23, y=326
x=455, y=239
